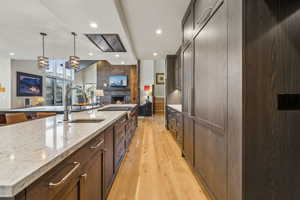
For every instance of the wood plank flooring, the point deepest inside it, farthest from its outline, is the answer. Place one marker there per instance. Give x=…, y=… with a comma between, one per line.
x=153, y=168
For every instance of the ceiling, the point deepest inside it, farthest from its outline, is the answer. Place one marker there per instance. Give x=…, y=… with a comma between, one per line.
x=134, y=20
x=144, y=17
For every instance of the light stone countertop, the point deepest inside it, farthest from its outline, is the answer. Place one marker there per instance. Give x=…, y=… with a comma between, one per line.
x=177, y=107
x=29, y=149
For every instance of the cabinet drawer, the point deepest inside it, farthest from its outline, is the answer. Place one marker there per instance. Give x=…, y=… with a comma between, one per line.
x=67, y=172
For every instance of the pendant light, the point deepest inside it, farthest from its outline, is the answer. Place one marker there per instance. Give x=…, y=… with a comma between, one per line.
x=43, y=62
x=74, y=60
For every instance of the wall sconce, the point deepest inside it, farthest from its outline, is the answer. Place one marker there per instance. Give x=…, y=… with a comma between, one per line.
x=2, y=89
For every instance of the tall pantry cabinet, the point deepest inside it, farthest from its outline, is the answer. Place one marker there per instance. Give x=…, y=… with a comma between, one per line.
x=241, y=97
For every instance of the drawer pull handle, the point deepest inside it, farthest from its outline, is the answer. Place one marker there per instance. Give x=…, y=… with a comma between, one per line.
x=97, y=145
x=63, y=180
x=84, y=175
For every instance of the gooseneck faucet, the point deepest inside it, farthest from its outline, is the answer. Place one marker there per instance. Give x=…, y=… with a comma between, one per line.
x=66, y=106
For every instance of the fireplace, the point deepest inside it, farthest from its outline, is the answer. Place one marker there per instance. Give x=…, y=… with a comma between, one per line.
x=118, y=99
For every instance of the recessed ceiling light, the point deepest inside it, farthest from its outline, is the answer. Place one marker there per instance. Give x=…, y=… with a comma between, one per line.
x=122, y=62
x=93, y=25
x=11, y=54
x=155, y=54
x=90, y=54
x=117, y=56
x=158, y=31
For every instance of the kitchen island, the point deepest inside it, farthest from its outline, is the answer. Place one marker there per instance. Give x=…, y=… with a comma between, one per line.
x=55, y=159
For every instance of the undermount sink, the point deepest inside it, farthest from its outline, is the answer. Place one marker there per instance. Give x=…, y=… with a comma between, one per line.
x=116, y=108
x=86, y=121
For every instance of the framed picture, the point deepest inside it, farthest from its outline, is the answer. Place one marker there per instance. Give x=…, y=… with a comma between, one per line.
x=160, y=78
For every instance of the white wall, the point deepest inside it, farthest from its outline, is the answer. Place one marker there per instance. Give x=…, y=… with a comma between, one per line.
x=5, y=74
x=87, y=75
x=26, y=66
x=159, y=67
x=146, y=76
x=148, y=69
x=90, y=74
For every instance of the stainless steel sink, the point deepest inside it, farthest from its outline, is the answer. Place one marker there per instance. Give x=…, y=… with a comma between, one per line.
x=86, y=121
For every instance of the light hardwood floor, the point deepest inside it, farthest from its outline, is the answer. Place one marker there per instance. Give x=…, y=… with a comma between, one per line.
x=153, y=168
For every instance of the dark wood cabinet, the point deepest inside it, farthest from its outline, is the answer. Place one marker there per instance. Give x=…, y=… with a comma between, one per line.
x=92, y=176
x=178, y=70
x=188, y=123
x=88, y=173
x=74, y=176
x=210, y=103
x=240, y=126
x=108, y=160
x=120, y=146
x=175, y=124
x=188, y=139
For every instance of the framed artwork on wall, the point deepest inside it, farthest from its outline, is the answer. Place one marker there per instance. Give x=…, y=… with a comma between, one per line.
x=160, y=78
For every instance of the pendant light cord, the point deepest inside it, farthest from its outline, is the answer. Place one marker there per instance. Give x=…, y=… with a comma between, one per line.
x=43, y=46
x=74, y=34
x=43, y=42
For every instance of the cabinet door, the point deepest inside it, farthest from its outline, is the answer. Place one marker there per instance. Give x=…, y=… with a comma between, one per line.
x=187, y=79
x=74, y=191
x=188, y=27
x=108, y=160
x=188, y=125
x=178, y=71
x=211, y=103
x=119, y=142
x=202, y=10
x=93, y=182
x=188, y=139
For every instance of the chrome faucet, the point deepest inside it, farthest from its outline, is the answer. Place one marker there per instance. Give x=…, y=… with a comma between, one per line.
x=66, y=106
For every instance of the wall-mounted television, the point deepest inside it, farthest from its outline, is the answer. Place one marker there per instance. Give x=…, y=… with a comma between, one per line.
x=29, y=85
x=118, y=81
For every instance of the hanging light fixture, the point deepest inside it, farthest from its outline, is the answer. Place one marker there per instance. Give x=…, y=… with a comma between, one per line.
x=74, y=60
x=43, y=62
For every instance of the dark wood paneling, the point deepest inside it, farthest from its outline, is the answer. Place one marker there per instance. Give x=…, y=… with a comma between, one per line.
x=105, y=69
x=272, y=67
x=235, y=99
x=134, y=84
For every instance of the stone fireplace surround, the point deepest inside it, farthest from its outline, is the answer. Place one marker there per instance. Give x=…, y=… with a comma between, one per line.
x=111, y=93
